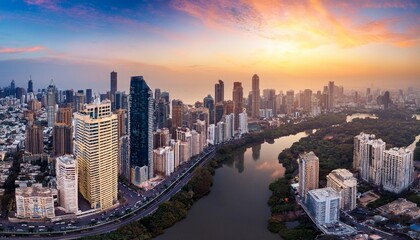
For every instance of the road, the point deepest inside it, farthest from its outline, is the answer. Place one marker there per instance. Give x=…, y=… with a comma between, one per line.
x=138, y=212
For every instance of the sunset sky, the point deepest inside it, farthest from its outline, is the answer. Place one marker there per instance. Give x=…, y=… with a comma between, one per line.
x=185, y=46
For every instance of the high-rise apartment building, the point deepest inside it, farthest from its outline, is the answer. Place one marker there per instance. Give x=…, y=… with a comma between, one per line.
x=256, y=96
x=140, y=130
x=238, y=98
x=121, y=122
x=219, y=112
x=51, y=102
x=368, y=152
x=324, y=205
x=177, y=115
x=124, y=158
x=62, y=139
x=67, y=174
x=290, y=101
x=397, y=169
x=219, y=92
x=308, y=173
x=96, y=150
x=343, y=182
x=34, y=140
x=35, y=202
x=243, y=123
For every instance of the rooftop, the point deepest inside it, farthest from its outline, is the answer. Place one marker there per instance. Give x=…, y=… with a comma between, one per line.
x=323, y=194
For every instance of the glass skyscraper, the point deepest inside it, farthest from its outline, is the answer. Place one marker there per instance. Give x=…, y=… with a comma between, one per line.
x=141, y=130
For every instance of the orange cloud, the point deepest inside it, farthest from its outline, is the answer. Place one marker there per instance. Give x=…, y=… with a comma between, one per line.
x=4, y=50
x=309, y=24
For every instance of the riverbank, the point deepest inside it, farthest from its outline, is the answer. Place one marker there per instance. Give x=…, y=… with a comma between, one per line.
x=200, y=185
x=334, y=147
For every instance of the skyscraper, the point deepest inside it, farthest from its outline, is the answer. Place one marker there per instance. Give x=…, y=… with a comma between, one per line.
x=88, y=95
x=34, y=141
x=331, y=101
x=308, y=173
x=141, y=130
x=368, y=154
x=219, y=92
x=30, y=86
x=51, y=102
x=342, y=181
x=208, y=103
x=238, y=98
x=96, y=150
x=177, y=115
x=62, y=139
x=113, y=82
x=66, y=174
x=256, y=97
x=79, y=101
x=219, y=112
x=324, y=205
x=397, y=169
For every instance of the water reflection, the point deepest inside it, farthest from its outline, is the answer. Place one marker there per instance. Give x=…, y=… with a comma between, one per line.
x=236, y=207
x=256, y=152
x=360, y=115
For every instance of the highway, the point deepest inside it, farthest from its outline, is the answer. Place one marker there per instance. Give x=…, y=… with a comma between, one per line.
x=136, y=214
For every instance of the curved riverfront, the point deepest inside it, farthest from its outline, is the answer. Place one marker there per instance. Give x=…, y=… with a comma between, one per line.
x=236, y=207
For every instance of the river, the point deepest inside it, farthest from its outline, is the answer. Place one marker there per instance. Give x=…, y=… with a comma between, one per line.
x=236, y=207
x=360, y=115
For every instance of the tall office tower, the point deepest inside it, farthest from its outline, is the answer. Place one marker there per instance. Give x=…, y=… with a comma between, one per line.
x=343, y=182
x=238, y=105
x=12, y=88
x=243, y=123
x=34, y=140
x=370, y=154
x=51, y=102
x=30, y=86
x=331, y=101
x=124, y=157
x=69, y=97
x=165, y=96
x=308, y=173
x=88, y=95
x=324, y=205
x=66, y=174
x=290, y=101
x=307, y=104
x=386, y=100
x=208, y=103
x=141, y=130
x=64, y=115
x=121, y=122
x=219, y=112
x=256, y=97
x=161, y=114
x=177, y=115
x=118, y=100
x=157, y=94
x=397, y=169
x=96, y=150
x=114, y=82
x=219, y=92
x=114, y=86
x=79, y=101
x=62, y=139
x=228, y=106
x=35, y=202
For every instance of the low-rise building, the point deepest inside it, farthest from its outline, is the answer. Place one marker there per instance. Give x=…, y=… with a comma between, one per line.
x=35, y=202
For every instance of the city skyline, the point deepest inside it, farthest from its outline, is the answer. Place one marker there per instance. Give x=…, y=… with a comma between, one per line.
x=195, y=43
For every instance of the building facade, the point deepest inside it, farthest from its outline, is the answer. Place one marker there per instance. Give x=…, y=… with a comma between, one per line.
x=343, y=182
x=35, y=202
x=256, y=96
x=67, y=174
x=96, y=150
x=140, y=130
x=324, y=205
x=397, y=169
x=308, y=173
